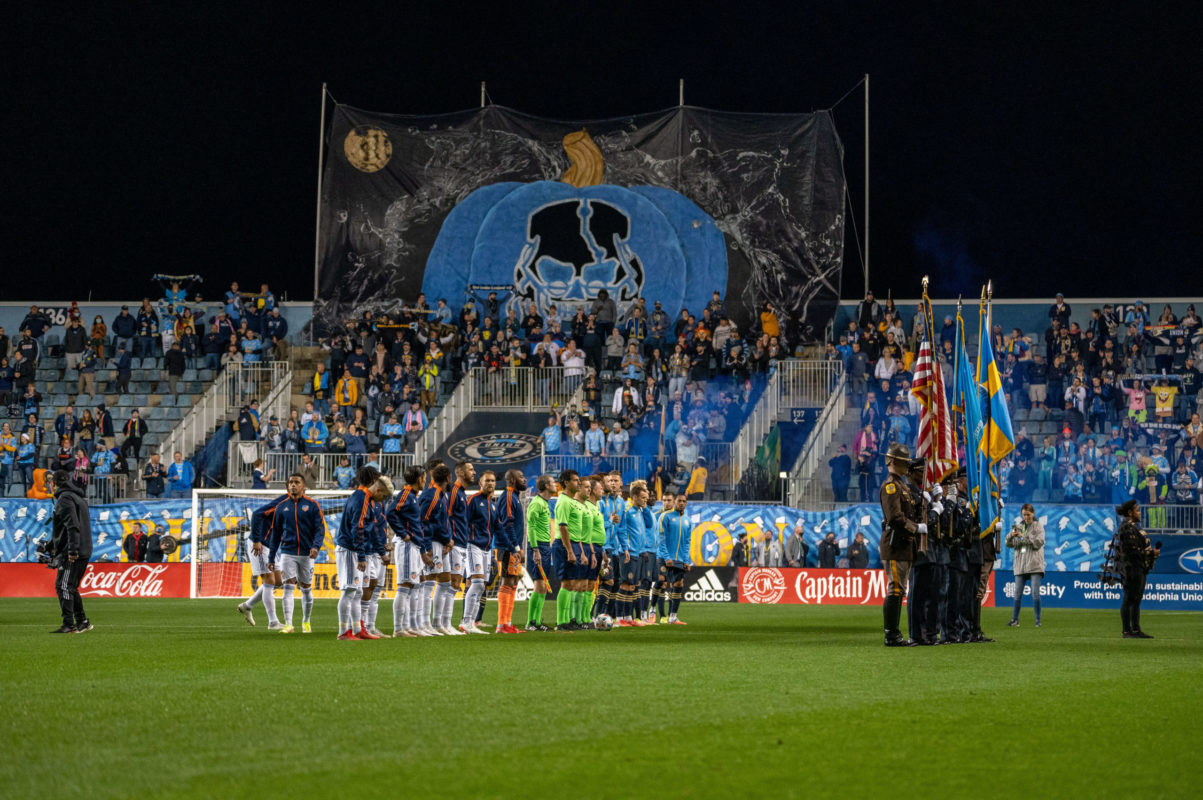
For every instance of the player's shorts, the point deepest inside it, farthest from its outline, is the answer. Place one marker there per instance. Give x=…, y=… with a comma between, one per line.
x=376, y=570
x=594, y=569
x=349, y=576
x=615, y=567
x=559, y=562
x=632, y=571
x=532, y=569
x=676, y=573
x=298, y=568
x=477, y=561
x=651, y=567
x=456, y=560
x=259, y=562
x=511, y=565
x=408, y=558
x=440, y=561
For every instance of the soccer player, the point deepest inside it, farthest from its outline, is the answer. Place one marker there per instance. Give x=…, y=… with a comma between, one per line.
x=352, y=545
x=658, y=583
x=636, y=519
x=676, y=552
x=612, y=506
x=508, y=546
x=432, y=508
x=456, y=558
x=566, y=550
x=261, y=567
x=482, y=518
x=409, y=547
x=649, y=570
x=538, y=558
x=598, y=562
x=297, y=533
x=376, y=575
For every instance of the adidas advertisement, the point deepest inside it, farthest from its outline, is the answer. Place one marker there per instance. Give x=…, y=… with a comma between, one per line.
x=711, y=585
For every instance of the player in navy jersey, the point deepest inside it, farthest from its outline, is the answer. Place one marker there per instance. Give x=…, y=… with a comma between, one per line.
x=456, y=559
x=432, y=511
x=376, y=575
x=482, y=521
x=296, y=536
x=352, y=546
x=507, y=544
x=409, y=548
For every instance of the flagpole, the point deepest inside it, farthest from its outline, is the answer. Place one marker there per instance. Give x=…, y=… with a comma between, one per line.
x=989, y=331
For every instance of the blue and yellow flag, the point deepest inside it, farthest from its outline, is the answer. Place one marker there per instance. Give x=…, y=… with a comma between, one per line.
x=967, y=398
x=997, y=438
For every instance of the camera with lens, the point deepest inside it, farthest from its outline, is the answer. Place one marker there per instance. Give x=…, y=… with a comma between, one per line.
x=46, y=556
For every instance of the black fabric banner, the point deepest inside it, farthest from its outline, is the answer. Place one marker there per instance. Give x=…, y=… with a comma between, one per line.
x=690, y=201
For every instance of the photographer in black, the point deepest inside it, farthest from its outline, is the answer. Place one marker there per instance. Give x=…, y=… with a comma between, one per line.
x=1134, y=557
x=70, y=549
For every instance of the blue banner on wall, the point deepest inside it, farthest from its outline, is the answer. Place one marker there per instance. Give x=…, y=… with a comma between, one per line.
x=1085, y=590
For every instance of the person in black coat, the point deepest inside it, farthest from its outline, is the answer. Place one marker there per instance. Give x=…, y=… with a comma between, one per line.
x=134, y=544
x=1134, y=556
x=858, y=553
x=154, y=546
x=829, y=552
x=841, y=474
x=70, y=550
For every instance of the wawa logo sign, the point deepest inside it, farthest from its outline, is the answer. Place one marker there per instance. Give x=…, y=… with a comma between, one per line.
x=709, y=587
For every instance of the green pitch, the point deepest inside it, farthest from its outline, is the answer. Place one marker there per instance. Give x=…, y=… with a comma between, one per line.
x=183, y=699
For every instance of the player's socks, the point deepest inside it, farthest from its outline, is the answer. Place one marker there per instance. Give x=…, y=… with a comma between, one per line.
x=675, y=603
x=269, y=602
x=468, y=614
x=426, y=597
x=534, y=609
x=346, y=616
x=255, y=597
x=505, y=605
x=401, y=609
x=659, y=601
x=288, y=604
x=480, y=604
x=372, y=610
x=418, y=598
x=306, y=603
x=447, y=604
x=584, y=603
x=562, y=601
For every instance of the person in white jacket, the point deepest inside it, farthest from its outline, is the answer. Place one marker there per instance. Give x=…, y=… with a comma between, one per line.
x=1027, y=539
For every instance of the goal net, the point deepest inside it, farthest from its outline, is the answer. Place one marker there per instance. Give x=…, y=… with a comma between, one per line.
x=221, y=529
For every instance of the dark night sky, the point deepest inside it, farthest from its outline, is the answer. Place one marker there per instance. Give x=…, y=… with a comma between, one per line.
x=1048, y=148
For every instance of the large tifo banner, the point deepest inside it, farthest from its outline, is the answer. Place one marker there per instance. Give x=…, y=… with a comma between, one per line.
x=669, y=206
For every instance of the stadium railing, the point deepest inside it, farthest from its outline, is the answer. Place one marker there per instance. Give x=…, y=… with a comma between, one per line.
x=234, y=387
x=585, y=465
x=805, y=490
x=808, y=383
x=242, y=457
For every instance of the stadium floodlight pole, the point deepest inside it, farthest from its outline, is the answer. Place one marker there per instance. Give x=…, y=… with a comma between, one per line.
x=482, y=94
x=317, y=225
x=681, y=92
x=195, y=560
x=866, y=182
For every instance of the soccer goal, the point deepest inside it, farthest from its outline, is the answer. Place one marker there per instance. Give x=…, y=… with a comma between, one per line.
x=221, y=539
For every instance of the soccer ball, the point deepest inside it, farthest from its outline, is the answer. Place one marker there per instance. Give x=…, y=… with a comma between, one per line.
x=605, y=622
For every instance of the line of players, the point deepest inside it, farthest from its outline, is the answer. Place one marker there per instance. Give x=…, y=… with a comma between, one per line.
x=617, y=561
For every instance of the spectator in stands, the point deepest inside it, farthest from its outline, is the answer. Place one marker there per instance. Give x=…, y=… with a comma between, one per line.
x=769, y=324
x=272, y=433
x=632, y=363
x=259, y=477
x=615, y=348
x=552, y=439
x=796, y=548
x=75, y=339
x=8, y=454
x=428, y=382
x=1022, y=481
x=291, y=440
x=104, y=426
x=829, y=551
x=180, y=477
x=154, y=545
x=66, y=425
x=867, y=314
x=135, y=430
x=308, y=470
x=24, y=371
x=392, y=434
x=37, y=322
x=213, y=345
x=1072, y=484
x=148, y=329
x=31, y=402
x=7, y=373
x=346, y=393
x=315, y=434
x=190, y=347
x=605, y=312
x=123, y=362
x=696, y=488
x=739, y=552
x=25, y=455
x=103, y=461
x=4, y=343
x=87, y=432
x=125, y=328
x=841, y=474
x=858, y=552
x=355, y=439
x=866, y=474
x=154, y=475
x=687, y=448
x=174, y=364
x=29, y=347
x=134, y=544
x=79, y=467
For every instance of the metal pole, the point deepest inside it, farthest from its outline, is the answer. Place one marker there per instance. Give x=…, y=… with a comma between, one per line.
x=482, y=94
x=681, y=92
x=317, y=225
x=866, y=182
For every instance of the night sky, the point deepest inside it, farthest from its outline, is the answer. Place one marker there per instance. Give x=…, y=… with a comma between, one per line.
x=1053, y=150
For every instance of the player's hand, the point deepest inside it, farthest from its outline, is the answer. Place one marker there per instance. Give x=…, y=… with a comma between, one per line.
x=271, y=566
x=313, y=552
x=626, y=558
x=361, y=565
x=71, y=559
x=428, y=559
x=571, y=557
x=593, y=562
x=257, y=548
x=537, y=557
x=614, y=518
x=668, y=564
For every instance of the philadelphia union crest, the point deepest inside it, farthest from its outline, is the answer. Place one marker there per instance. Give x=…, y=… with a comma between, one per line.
x=494, y=449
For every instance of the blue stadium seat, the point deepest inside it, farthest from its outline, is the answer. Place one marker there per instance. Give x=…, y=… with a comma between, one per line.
x=173, y=413
x=162, y=387
x=189, y=374
x=125, y=401
x=183, y=401
x=205, y=375
x=143, y=400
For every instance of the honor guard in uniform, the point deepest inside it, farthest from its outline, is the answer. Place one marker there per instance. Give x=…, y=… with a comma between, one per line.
x=923, y=600
x=901, y=523
x=965, y=530
x=1134, y=557
x=939, y=542
x=990, y=548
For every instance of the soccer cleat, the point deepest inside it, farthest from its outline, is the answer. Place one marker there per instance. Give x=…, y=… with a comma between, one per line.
x=530, y=626
x=651, y=618
x=483, y=626
x=677, y=622
x=364, y=633
x=64, y=629
x=638, y=623
x=1142, y=635
x=276, y=626
x=429, y=632
x=83, y=627
x=664, y=621
x=306, y=627
x=347, y=636
x=475, y=629
x=447, y=631
x=247, y=615
x=1013, y=623
x=625, y=623
x=563, y=629
x=288, y=629
x=376, y=634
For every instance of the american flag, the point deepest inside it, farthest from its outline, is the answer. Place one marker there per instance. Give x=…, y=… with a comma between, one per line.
x=935, y=441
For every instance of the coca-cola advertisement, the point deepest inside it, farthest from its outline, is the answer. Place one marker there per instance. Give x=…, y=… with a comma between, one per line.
x=99, y=580
x=819, y=587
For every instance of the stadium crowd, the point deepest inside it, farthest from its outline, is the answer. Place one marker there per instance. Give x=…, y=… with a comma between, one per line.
x=1105, y=408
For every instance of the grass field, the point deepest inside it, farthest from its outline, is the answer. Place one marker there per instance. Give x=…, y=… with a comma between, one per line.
x=182, y=699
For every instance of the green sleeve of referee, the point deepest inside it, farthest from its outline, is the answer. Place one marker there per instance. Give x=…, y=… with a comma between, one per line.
x=538, y=522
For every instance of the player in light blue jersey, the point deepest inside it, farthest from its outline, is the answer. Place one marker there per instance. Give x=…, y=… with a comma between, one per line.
x=667, y=503
x=675, y=550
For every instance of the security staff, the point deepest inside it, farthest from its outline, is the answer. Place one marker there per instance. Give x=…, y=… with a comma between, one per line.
x=70, y=549
x=899, y=526
x=1134, y=558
